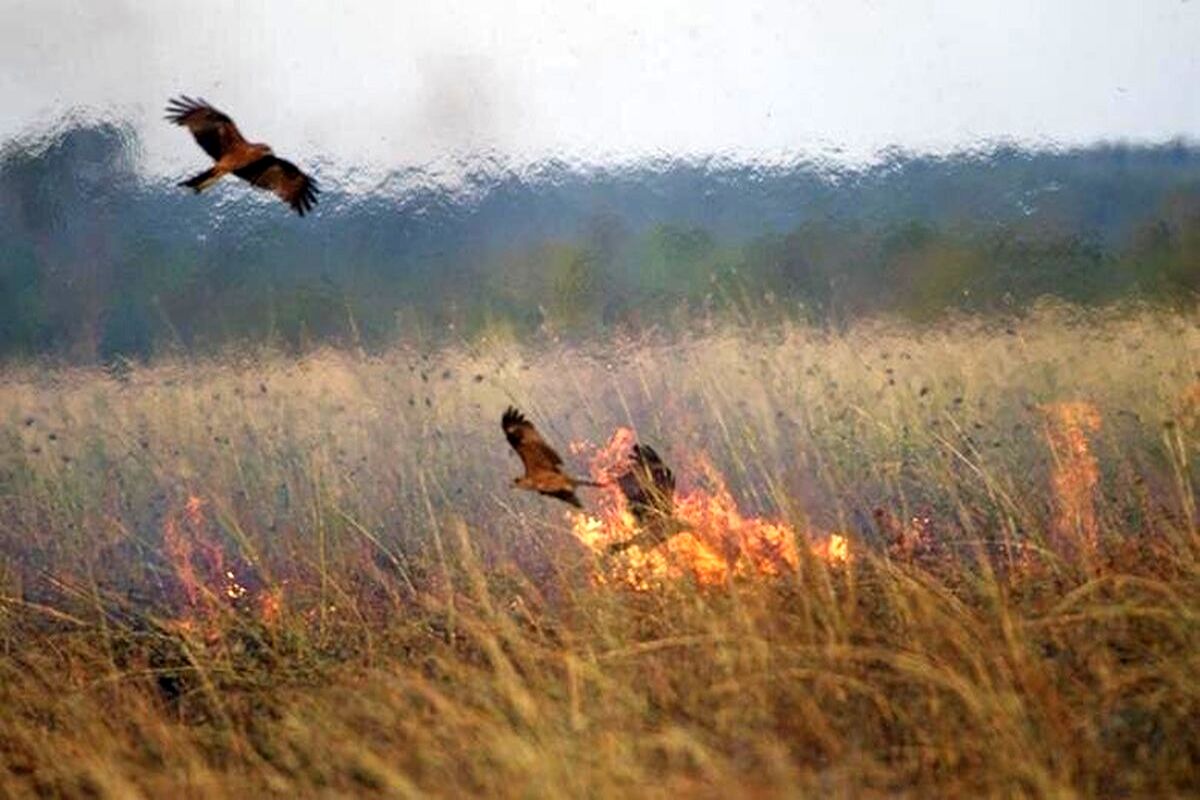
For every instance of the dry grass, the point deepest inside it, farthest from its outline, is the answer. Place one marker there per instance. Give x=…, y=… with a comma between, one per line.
x=400, y=622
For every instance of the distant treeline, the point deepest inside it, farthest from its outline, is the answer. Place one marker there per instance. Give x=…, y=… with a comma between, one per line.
x=96, y=262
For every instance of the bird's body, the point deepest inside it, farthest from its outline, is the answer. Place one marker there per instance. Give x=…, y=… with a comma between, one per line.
x=648, y=486
x=543, y=465
x=649, y=489
x=253, y=162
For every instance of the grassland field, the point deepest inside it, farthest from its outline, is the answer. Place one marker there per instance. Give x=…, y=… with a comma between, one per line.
x=283, y=576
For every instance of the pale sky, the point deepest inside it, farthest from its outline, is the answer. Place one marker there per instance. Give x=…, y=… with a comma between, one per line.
x=390, y=84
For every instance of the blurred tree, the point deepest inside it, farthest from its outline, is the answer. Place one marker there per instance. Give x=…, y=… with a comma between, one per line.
x=931, y=272
x=1165, y=253
x=64, y=198
x=97, y=261
x=23, y=328
x=675, y=259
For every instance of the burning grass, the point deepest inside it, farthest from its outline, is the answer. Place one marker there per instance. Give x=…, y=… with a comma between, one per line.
x=709, y=541
x=935, y=562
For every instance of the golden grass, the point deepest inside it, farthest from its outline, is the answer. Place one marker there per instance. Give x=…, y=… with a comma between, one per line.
x=399, y=622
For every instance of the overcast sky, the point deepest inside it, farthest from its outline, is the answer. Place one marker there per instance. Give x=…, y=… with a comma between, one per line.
x=384, y=83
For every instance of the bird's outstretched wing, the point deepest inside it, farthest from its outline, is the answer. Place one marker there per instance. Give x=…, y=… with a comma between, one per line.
x=648, y=486
x=213, y=131
x=536, y=455
x=283, y=178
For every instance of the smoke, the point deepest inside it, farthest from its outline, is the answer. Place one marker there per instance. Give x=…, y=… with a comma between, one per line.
x=395, y=85
x=58, y=54
x=462, y=105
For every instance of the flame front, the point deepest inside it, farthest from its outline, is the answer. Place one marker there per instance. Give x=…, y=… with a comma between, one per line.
x=715, y=542
x=1075, y=472
x=211, y=584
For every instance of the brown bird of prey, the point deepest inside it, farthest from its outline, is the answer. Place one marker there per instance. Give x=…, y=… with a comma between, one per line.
x=649, y=489
x=543, y=466
x=219, y=137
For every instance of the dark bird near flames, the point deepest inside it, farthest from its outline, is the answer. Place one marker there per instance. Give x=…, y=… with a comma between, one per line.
x=256, y=163
x=649, y=489
x=543, y=466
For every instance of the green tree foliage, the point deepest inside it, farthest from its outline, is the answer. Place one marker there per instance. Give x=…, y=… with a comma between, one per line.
x=96, y=264
x=1165, y=254
x=23, y=318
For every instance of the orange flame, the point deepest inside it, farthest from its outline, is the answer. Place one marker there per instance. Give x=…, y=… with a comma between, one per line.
x=715, y=542
x=1076, y=473
x=194, y=508
x=835, y=549
x=209, y=584
x=193, y=555
x=270, y=606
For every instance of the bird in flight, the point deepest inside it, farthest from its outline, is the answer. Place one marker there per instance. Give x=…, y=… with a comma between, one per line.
x=543, y=466
x=256, y=163
x=649, y=489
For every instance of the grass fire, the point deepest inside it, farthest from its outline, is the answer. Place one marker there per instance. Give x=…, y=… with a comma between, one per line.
x=884, y=561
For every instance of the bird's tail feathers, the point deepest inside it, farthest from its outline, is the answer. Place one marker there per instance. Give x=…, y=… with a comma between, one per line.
x=198, y=183
x=597, y=484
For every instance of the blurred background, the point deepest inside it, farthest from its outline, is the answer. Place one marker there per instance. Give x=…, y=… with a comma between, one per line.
x=565, y=169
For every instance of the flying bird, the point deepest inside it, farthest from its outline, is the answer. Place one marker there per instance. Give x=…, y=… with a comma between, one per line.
x=256, y=163
x=543, y=466
x=649, y=489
